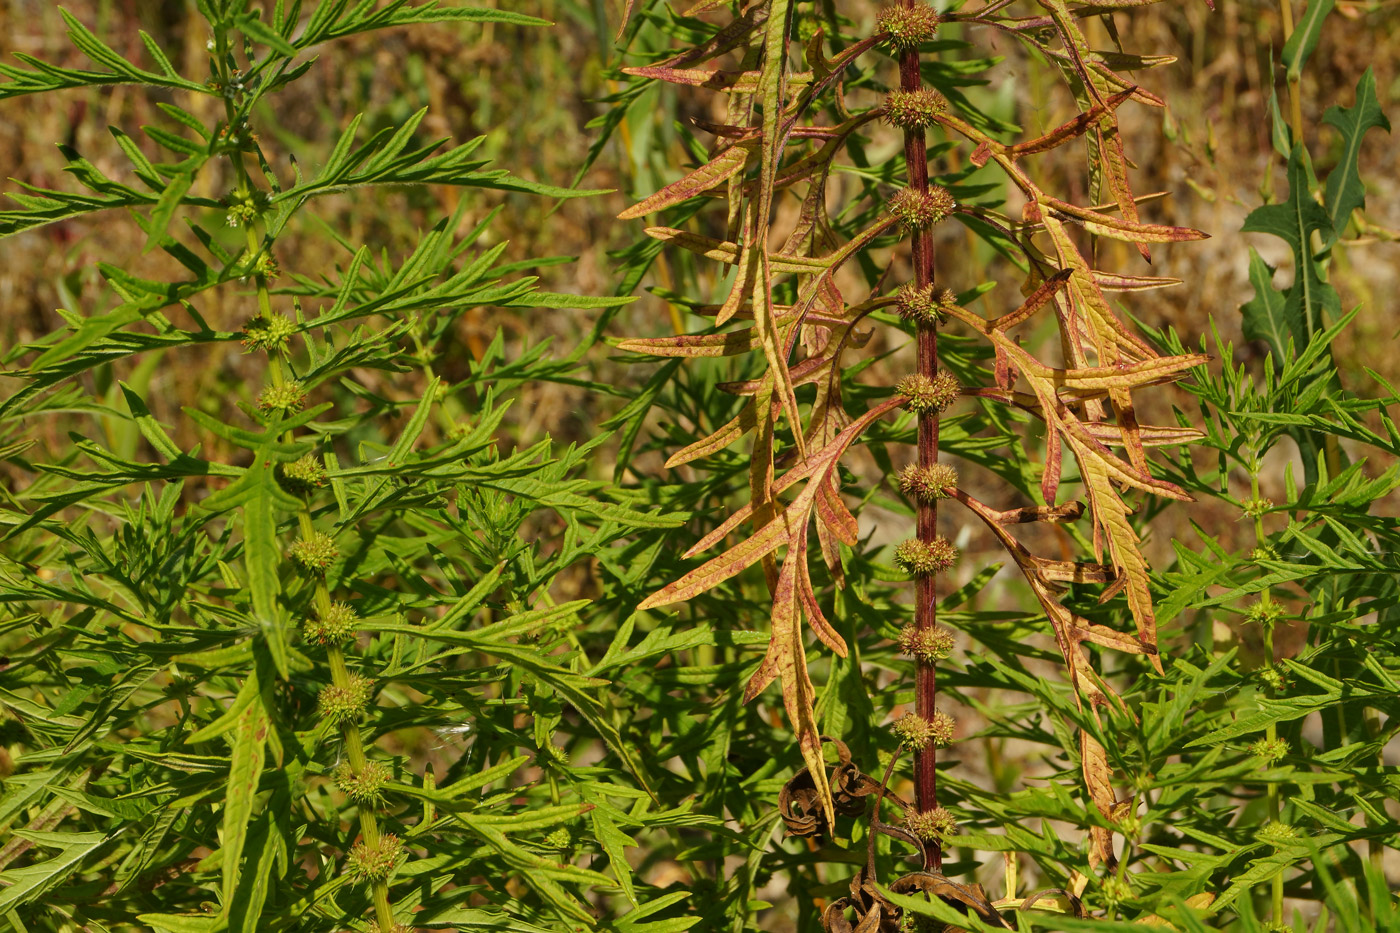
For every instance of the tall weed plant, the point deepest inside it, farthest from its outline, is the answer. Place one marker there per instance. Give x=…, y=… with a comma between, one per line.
x=369, y=657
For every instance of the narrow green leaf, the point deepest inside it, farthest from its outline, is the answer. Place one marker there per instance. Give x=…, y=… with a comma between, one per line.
x=254, y=28
x=263, y=557
x=1268, y=316
x=244, y=777
x=1305, y=36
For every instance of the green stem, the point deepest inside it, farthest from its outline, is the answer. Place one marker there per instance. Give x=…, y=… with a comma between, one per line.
x=1270, y=731
x=1294, y=97
x=350, y=736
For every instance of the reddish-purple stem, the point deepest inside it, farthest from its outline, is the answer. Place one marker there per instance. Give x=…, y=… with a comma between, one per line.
x=925, y=609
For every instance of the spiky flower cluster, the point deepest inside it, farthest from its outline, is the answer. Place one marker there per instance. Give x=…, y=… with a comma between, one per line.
x=560, y=838
x=348, y=703
x=927, y=484
x=288, y=396
x=365, y=785
x=919, y=209
x=926, y=305
x=377, y=863
x=1274, y=833
x=267, y=332
x=303, y=475
x=1264, y=613
x=1274, y=678
x=1116, y=890
x=925, y=558
x=917, y=733
x=908, y=27
x=933, y=825
x=267, y=266
x=929, y=645
x=1270, y=749
x=333, y=627
x=314, y=555
x=924, y=394
x=913, y=731
x=914, y=110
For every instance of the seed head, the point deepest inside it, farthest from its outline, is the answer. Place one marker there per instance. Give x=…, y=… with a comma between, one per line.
x=335, y=627
x=944, y=728
x=347, y=703
x=933, y=825
x=378, y=863
x=917, y=733
x=303, y=475
x=946, y=299
x=927, y=484
x=920, y=209
x=907, y=27
x=923, y=394
x=913, y=731
x=916, y=304
x=914, y=110
x=267, y=333
x=926, y=305
x=314, y=555
x=363, y=786
x=560, y=838
x=1270, y=749
x=289, y=396
x=929, y=645
x=925, y=558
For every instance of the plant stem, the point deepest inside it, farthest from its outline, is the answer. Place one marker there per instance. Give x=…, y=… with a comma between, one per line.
x=1271, y=730
x=1294, y=96
x=925, y=608
x=350, y=736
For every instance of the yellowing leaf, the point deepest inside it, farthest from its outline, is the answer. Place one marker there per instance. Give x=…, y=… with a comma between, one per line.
x=728, y=163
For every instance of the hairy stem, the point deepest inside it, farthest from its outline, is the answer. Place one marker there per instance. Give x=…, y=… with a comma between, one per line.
x=925, y=608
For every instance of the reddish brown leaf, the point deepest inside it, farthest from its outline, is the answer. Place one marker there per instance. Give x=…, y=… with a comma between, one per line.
x=775, y=533
x=728, y=163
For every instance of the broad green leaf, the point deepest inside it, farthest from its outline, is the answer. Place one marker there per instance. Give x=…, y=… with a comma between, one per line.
x=1268, y=316
x=1295, y=221
x=1345, y=192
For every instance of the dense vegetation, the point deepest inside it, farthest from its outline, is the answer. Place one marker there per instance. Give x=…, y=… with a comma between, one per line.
x=844, y=548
